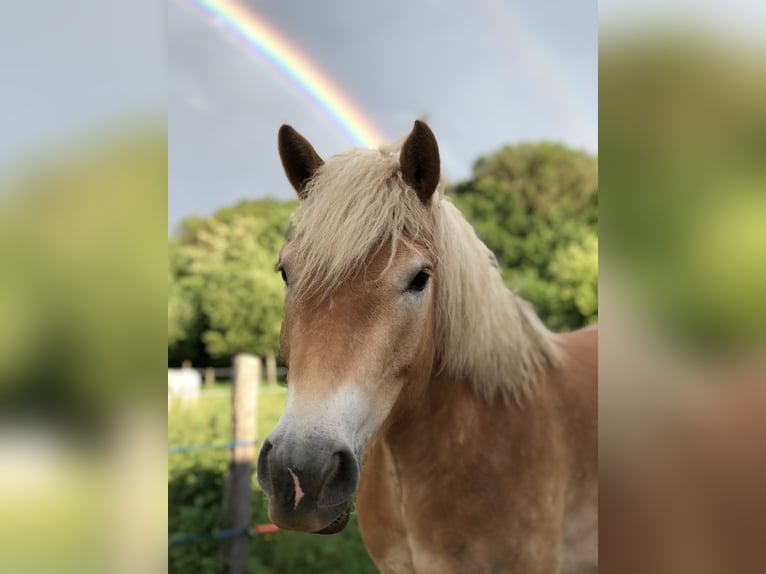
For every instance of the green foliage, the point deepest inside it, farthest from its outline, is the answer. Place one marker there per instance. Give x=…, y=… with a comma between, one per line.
x=575, y=269
x=180, y=312
x=536, y=207
x=224, y=295
x=195, y=491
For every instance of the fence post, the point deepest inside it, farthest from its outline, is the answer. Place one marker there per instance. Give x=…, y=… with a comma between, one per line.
x=271, y=368
x=237, y=501
x=210, y=377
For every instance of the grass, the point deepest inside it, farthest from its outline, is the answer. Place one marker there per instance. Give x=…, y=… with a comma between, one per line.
x=195, y=491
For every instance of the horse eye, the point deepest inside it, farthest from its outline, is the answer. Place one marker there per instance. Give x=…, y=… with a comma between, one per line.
x=284, y=275
x=418, y=282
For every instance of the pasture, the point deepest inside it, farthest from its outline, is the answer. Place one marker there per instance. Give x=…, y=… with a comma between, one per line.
x=195, y=491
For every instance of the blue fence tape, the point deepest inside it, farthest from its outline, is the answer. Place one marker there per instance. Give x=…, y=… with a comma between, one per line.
x=175, y=540
x=191, y=447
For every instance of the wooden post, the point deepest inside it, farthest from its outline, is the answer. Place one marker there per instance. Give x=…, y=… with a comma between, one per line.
x=271, y=368
x=210, y=377
x=237, y=500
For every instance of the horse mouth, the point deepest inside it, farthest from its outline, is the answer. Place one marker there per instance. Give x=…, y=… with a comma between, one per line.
x=338, y=524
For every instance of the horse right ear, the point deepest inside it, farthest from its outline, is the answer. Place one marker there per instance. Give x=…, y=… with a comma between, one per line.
x=419, y=160
x=299, y=159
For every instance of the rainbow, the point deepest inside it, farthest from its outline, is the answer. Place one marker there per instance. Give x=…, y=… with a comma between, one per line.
x=512, y=23
x=299, y=70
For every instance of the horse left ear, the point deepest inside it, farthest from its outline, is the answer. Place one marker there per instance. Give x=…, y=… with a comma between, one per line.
x=419, y=160
x=299, y=159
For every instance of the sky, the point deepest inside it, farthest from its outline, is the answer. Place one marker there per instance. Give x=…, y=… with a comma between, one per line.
x=482, y=74
x=75, y=70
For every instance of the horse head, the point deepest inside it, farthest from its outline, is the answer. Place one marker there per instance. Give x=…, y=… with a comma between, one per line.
x=358, y=327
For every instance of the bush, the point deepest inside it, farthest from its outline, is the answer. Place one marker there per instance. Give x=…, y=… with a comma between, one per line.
x=195, y=492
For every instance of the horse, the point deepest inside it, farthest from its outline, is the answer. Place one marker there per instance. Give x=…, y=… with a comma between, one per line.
x=419, y=384
x=184, y=384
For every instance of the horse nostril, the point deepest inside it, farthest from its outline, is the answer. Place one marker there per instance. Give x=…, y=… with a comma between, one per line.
x=262, y=468
x=340, y=484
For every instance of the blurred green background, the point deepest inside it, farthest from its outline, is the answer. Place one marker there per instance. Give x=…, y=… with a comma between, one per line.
x=82, y=301
x=683, y=134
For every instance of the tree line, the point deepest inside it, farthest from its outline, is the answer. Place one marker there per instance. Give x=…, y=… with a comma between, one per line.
x=534, y=205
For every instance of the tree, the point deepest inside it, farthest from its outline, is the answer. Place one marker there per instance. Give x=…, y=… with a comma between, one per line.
x=180, y=312
x=575, y=269
x=226, y=297
x=536, y=207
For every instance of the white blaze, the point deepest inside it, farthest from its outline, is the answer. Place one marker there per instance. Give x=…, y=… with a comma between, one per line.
x=344, y=416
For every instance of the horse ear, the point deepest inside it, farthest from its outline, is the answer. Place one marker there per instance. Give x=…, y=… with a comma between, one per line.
x=299, y=159
x=419, y=160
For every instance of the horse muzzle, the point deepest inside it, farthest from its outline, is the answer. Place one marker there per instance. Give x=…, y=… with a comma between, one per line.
x=310, y=485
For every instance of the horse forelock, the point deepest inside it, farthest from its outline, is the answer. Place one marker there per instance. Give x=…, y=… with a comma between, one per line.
x=356, y=204
x=484, y=332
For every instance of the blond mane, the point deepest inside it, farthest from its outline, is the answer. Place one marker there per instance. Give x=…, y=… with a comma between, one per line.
x=357, y=202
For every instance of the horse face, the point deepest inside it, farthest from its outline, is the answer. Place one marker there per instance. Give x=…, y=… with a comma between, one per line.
x=358, y=353
x=356, y=357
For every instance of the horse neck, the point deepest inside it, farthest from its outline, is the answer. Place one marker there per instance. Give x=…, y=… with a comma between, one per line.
x=450, y=416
